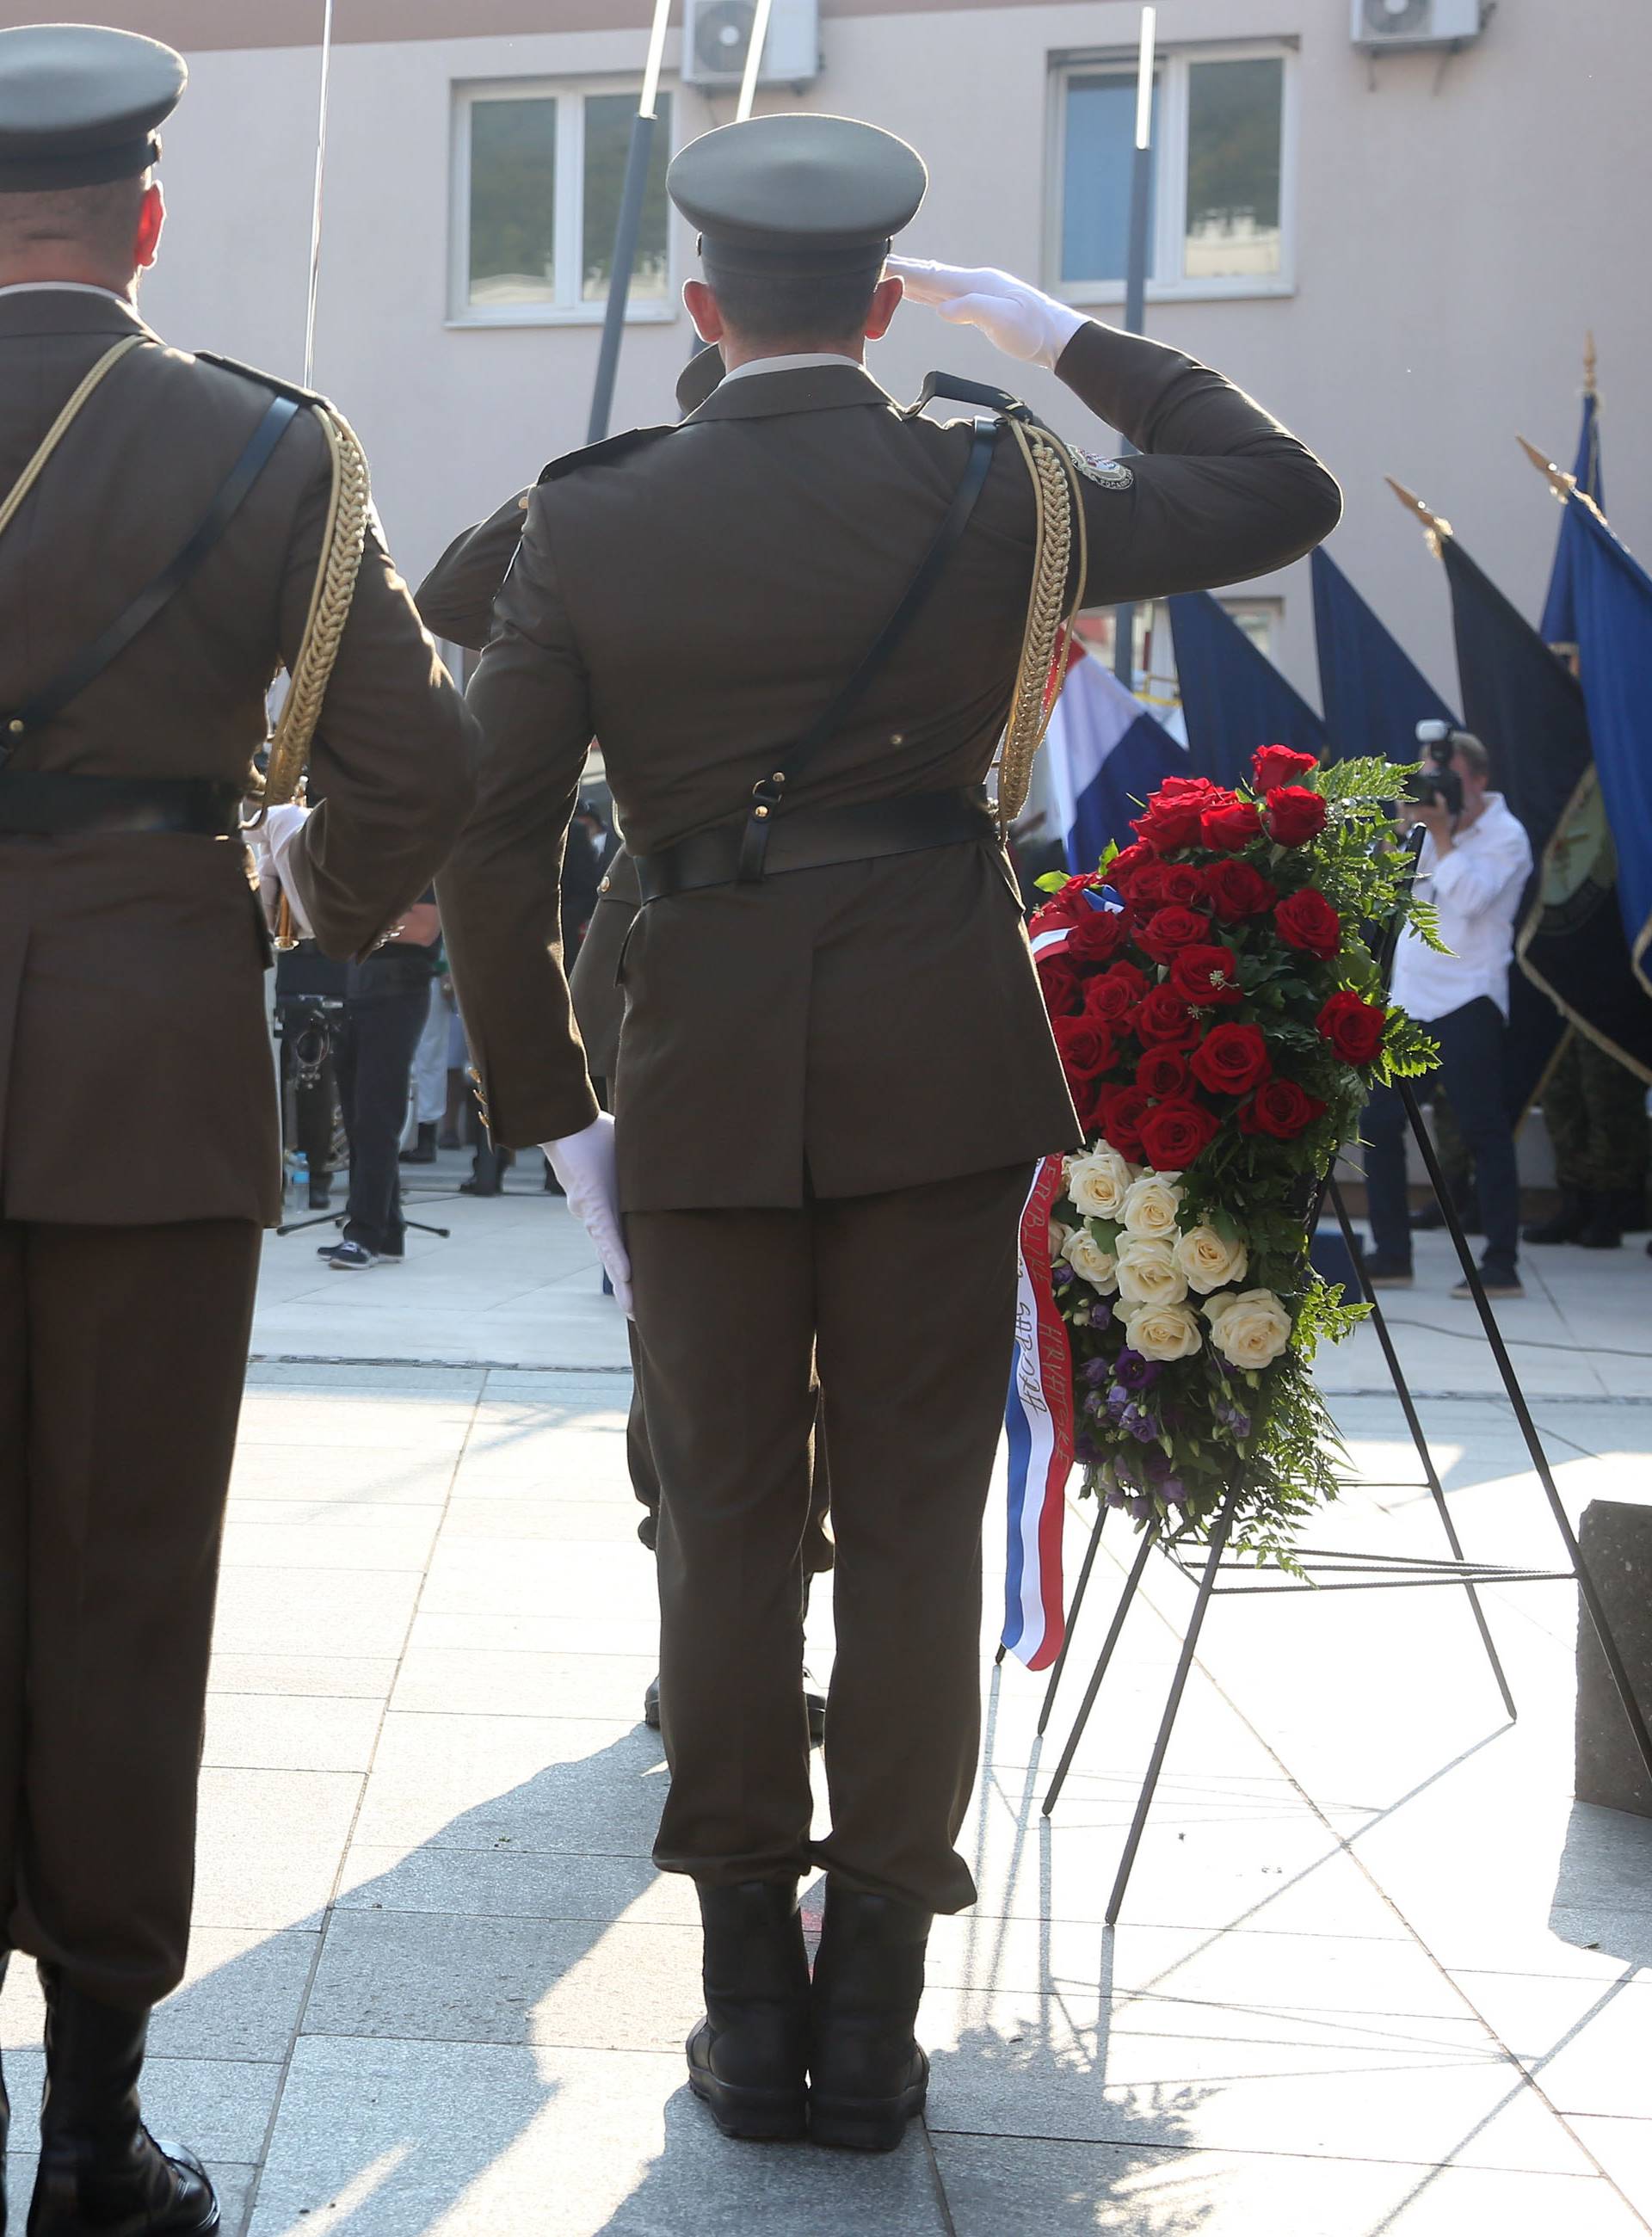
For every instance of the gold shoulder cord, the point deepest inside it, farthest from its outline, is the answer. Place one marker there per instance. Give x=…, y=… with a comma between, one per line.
x=342, y=545
x=1050, y=612
x=60, y=426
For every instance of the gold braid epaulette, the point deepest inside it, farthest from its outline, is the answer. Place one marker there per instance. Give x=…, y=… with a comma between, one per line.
x=342, y=545
x=1061, y=530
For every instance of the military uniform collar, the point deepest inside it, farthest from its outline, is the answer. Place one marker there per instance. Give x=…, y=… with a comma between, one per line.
x=804, y=388
x=47, y=310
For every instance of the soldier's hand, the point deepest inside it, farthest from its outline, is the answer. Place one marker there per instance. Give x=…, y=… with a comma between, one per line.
x=585, y=1165
x=1017, y=319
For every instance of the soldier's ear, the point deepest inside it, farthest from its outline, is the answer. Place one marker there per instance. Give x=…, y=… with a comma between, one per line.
x=702, y=306
x=886, y=301
x=152, y=216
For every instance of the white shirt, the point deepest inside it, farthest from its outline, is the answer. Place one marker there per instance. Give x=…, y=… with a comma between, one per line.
x=65, y=288
x=800, y=363
x=1476, y=892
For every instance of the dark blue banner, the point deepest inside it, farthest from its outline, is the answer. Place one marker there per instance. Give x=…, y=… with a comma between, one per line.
x=1234, y=698
x=1612, y=608
x=1559, y=623
x=1374, y=694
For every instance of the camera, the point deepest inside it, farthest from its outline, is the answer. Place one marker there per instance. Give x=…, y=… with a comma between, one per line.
x=1437, y=785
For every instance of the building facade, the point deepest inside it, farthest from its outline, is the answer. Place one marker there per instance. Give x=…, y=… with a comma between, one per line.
x=1399, y=253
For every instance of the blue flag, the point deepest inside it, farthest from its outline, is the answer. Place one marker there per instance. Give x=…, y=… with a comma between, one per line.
x=1234, y=698
x=1559, y=623
x=1106, y=755
x=1375, y=695
x=1611, y=595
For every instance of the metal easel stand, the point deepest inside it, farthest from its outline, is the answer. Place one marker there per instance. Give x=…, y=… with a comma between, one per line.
x=1326, y=1569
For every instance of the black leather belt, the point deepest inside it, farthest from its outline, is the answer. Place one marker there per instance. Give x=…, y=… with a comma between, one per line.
x=818, y=838
x=49, y=804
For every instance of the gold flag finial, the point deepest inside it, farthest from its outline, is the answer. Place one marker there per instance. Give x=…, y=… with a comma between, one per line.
x=1588, y=362
x=1433, y=526
x=1561, y=484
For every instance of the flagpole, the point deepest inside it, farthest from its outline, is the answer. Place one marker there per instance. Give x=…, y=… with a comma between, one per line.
x=315, y=205
x=1135, y=292
x=754, y=60
x=630, y=225
x=1432, y=523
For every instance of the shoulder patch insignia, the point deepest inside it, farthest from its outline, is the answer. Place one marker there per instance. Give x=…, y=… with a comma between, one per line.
x=603, y=453
x=1106, y=473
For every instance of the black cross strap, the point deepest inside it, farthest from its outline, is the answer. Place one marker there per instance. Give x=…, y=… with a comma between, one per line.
x=766, y=795
x=89, y=664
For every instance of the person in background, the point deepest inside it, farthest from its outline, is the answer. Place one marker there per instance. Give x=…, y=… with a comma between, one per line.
x=1474, y=867
x=427, y=1099
x=387, y=1003
x=1594, y=1109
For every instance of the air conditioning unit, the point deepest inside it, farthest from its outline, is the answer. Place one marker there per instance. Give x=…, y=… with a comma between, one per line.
x=1415, y=23
x=716, y=34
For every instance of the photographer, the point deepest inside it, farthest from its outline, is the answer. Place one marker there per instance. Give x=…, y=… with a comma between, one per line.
x=1474, y=867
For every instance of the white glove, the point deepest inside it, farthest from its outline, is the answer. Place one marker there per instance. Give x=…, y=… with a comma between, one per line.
x=1017, y=319
x=585, y=1165
x=271, y=840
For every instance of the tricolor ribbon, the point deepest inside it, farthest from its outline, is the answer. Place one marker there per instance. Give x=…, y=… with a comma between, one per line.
x=1038, y=1419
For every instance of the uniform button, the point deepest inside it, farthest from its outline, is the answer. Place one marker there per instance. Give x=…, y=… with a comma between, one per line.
x=760, y=814
x=603, y=886
x=16, y=729
x=897, y=737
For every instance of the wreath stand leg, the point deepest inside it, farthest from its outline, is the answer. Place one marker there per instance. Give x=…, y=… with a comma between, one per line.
x=1149, y=1539
x=1408, y=1406
x=1586, y=1586
x=1080, y=1589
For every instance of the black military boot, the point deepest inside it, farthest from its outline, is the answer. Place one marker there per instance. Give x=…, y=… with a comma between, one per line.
x=748, y=2056
x=1603, y=1229
x=5, y=2111
x=868, y=2076
x=102, y=2174
x=1564, y=1225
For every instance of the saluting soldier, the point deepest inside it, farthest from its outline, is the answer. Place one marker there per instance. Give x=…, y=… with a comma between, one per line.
x=796, y=621
x=166, y=525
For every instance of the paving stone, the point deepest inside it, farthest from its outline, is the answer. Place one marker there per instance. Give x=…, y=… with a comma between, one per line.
x=286, y=1731
x=270, y=1845
x=484, y=1682
x=315, y=1611
x=332, y=1538
x=511, y=1882
x=1624, y=2149
x=564, y=2143
x=1068, y=2190
x=1588, y=2044
x=560, y=1784
x=220, y=2107
x=308, y=1474
x=233, y=2184
x=324, y=1676
x=240, y=2000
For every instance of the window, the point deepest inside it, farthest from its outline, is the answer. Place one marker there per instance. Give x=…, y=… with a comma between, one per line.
x=537, y=173
x=1219, y=216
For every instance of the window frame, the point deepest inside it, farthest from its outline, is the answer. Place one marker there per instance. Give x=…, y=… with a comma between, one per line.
x=570, y=94
x=1168, y=246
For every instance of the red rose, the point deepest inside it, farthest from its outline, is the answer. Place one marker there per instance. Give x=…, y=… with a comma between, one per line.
x=1181, y=885
x=1164, y=1019
x=1235, y=891
x=1275, y=766
x=1119, y=1114
x=1061, y=987
x=1173, y=812
x=1307, y=921
x=1231, y=827
x=1172, y=1135
x=1295, y=815
x=1169, y=930
x=1353, y=1027
x=1147, y=886
x=1086, y=1046
x=1098, y=936
x=1162, y=1074
x=1232, y=1059
x=1280, y=1108
x=1205, y=975
x=1121, y=871
x=1114, y=994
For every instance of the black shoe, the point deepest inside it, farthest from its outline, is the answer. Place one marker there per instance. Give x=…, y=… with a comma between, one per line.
x=5, y=2111
x=480, y=1188
x=1495, y=1281
x=651, y=1706
x=350, y=1257
x=1603, y=1229
x=1564, y=1225
x=100, y=2168
x=748, y=2058
x=423, y=1152
x=868, y=2077
x=1381, y=1272
x=320, y=1196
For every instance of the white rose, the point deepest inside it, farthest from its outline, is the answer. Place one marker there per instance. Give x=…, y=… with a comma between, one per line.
x=1207, y=1261
x=1250, y=1328
x=1163, y=1332
x=1148, y=1274
x=1151, y=1204
x=1086, y=1258
x=1096, y=1182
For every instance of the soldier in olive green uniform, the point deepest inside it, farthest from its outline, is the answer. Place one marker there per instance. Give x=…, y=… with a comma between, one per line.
x=836, y=1069
x=1594, y=1109
x=157, y=562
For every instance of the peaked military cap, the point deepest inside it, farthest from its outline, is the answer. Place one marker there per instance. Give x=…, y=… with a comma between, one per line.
x=799, y=193
x=80, y=105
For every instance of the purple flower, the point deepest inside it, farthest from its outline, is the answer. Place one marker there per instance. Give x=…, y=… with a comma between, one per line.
x=1118, y=1402
x=1096, y=1372
x=1174, y=1491
x=1143, y=1509
x=1155, y=1464
x=1144, y=1427
x=1095, y=1407
x=1086, y=1448
x=1134, y=1372
x=1115, y=1497
x=1061, y=1276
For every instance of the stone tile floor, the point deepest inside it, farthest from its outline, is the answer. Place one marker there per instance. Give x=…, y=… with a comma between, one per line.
x=1377, y=1973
